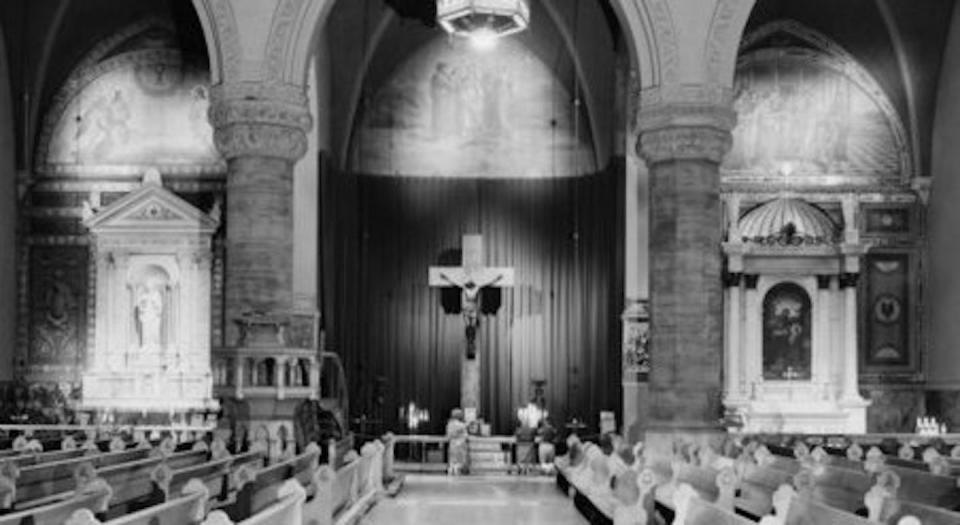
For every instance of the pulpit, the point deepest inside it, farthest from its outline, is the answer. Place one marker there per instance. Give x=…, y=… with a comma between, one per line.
x=791, y=320
x=151, y=337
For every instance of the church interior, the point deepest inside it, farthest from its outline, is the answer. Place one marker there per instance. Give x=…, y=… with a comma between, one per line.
x=475, y=261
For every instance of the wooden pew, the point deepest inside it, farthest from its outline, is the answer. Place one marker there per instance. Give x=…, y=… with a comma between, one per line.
x=286, y=507
x=260, y=490
x=845, y=487
x=694, y=510
x=26, y=460
x=55, y=513
x=189, y=509
x=793, y=509
x=757, y=487
x=804, y=511
x=840, y=488
x=48, y=479
x=134, y=489
x=215, y=475
x=896, y=509
x=927, y=488
x=133, y=484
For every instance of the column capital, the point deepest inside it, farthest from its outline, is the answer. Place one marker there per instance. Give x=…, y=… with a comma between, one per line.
x=732, y=279
x=259, y=119
x=685, y=123
x=848, y=279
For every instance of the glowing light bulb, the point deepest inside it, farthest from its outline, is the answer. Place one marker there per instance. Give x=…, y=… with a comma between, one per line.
x=483, y=39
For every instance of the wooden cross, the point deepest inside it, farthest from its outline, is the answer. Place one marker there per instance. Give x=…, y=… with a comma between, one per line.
x=470, y=277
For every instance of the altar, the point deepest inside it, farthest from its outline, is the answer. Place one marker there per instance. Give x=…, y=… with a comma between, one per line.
x=151, y=340
x=791, y=349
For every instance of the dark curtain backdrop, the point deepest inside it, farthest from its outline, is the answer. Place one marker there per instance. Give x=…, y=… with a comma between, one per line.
x=560, y=322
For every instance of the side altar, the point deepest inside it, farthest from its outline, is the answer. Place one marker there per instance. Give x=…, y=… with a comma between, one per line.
x=791, y=314
x=150, y=349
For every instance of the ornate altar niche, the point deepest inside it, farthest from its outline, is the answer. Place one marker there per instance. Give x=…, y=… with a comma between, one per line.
x=135, y=101
x=151, y=344
x=791, y=349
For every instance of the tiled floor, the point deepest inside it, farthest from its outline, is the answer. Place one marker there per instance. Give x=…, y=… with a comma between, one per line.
x=469, y=500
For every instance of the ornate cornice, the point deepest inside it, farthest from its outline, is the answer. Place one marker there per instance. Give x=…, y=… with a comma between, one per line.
x=684, y=143
x=260, y=120
x=685, y=123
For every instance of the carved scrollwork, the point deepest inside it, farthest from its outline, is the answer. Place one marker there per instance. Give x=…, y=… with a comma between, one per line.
x=256, y=126
x=684, y=143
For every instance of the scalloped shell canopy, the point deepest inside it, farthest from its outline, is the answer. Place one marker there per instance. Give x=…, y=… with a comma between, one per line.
x=770, y=220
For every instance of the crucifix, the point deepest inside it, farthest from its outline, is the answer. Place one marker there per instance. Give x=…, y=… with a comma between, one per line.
x=470, y=277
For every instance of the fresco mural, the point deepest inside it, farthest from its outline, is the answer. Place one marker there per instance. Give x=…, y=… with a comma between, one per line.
x=454, y=112
x=135, y=109
x=786, y=333
x=799, y=117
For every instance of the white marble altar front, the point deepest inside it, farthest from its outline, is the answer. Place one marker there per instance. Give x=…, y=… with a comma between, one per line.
x=791, y=320
x=151, y=341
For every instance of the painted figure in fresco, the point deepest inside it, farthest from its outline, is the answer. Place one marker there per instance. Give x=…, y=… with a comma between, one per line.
x=199, y=125
x=102, y=126
x=445, y=111
x=786, y=333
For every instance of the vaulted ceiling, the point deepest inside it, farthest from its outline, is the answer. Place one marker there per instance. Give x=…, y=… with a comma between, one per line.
x=900, y=42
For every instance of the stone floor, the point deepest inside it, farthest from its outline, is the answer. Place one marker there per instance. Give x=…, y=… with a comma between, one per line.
x=468, y=500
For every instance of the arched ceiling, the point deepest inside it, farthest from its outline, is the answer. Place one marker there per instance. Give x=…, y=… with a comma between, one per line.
x=900, y=43
x=46, y=39
x=369, y=39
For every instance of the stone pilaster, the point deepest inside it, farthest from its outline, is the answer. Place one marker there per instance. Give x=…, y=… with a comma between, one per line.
x=261, y=134
x=685, y=134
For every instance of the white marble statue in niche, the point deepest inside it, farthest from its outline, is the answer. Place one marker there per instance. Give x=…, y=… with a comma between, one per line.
x=150, y=297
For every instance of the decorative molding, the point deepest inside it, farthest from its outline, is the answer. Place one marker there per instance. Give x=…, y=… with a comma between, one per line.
x=684, y=143
x=685, y=122
x=726, y=30
x=223, y=38
x=282, y=27
x=664, y=40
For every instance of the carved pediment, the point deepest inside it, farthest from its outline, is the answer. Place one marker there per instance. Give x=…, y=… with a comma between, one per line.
x=151, y=208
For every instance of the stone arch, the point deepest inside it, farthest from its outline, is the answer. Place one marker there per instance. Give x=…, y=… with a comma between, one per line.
x=288, y=43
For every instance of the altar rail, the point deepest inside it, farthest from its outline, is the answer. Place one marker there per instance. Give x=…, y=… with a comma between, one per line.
x=428, y=453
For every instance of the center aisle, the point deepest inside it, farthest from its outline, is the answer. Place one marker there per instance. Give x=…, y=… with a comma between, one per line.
x=468, y=500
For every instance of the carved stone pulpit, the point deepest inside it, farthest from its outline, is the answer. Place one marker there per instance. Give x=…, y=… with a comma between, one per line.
x=151, y=341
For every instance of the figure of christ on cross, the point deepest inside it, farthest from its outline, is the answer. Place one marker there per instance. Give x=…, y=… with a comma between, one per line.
x=470, y=277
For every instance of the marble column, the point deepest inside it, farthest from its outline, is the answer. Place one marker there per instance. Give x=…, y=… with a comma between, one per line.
x=848, y=283
x=822, y=352
x=683, y=142
x=262, y=135
x=734, y=352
